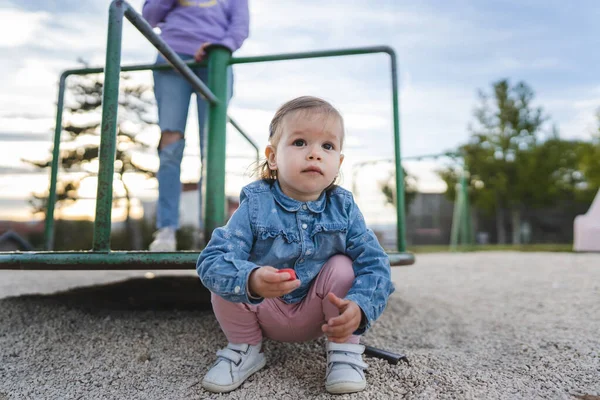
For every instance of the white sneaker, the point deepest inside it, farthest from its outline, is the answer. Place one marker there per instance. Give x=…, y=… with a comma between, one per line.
x=164, y=240
x=345, y=368
x=234, y=365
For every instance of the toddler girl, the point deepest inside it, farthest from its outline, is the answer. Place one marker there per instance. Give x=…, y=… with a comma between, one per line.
x=296, y=218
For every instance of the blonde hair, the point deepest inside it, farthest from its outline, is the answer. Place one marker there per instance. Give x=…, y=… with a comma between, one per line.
x=307, y=104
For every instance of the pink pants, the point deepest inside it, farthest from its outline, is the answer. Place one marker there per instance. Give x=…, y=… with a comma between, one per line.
x=277, y=320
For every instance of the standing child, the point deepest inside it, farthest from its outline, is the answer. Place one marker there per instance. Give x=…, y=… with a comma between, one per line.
x=296, y=218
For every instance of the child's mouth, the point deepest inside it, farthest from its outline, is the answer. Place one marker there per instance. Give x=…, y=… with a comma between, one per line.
x=316, y=170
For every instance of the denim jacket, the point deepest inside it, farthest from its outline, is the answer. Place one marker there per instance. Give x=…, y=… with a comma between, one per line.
x=270, y=228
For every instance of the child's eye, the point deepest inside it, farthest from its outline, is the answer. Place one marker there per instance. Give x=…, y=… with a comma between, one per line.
x=299, y=142
x=328, y=146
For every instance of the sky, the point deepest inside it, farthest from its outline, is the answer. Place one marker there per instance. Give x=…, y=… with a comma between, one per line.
x=447, y=51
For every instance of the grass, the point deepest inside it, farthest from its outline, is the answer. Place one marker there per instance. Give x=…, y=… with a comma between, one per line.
x=542, y=247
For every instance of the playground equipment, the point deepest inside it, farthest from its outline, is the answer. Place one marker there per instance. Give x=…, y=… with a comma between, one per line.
x=100, y=256
x=586, y=228
x=462, y=227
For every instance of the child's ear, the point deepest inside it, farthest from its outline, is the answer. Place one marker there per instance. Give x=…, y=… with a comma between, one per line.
x=341, y=160
x=271, y=159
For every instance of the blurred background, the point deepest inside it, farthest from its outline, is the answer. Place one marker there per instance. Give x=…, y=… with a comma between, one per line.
x=506, y=92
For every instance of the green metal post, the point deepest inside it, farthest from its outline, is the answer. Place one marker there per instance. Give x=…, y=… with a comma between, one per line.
x=49, y=226
x=461, y=219
x=218, y=61
x=455, y=230
x=400, y=215
x=463, y=211
x=468, y=228
x=245, y=136
x=108, y=136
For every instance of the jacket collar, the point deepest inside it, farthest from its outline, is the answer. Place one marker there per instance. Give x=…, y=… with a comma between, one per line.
x=292, y=205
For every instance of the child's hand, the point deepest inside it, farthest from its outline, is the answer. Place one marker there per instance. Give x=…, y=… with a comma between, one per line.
x=268, y=283
x=340, y=328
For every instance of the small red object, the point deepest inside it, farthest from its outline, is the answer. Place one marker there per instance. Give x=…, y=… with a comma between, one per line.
x=289, y=271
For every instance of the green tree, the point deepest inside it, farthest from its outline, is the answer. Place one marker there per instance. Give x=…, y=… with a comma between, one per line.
x=81, y=139
x=500, y=155
x=554, y=170
x=513, y=167
x=590, y=162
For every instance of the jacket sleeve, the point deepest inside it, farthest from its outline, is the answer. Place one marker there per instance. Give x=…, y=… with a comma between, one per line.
x=372, y=283
x=239, y=25
x=155, y=11
x=223, y=266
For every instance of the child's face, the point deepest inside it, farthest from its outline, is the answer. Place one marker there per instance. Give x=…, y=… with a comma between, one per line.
x=308, y=155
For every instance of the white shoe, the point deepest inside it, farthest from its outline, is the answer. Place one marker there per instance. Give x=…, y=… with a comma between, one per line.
x=345, y=368
x=164, y=240
x=234, y=365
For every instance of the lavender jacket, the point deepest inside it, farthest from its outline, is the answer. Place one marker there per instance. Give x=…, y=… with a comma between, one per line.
x=187, y=24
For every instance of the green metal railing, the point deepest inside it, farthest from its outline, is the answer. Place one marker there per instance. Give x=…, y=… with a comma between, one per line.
x=400, y=216
x=219, y=58
x=49, y=222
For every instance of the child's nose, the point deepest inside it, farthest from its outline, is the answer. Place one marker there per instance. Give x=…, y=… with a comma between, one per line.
x=314, y=155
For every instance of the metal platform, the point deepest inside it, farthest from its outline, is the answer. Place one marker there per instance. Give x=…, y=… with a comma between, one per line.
x=123, y=260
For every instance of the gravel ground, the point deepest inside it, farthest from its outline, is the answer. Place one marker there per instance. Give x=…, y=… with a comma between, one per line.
x=474, y=326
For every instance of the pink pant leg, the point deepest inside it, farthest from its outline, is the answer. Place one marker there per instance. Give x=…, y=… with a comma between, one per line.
x=238, y=321
x=277, y=320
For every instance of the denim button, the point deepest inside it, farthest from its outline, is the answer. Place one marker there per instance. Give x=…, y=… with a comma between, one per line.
x=304, y=226
x=237, y=289
x=304, y=206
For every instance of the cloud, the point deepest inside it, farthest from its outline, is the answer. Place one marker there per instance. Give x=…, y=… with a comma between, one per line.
x=26, y=125
x=15, y=209
x=514, y=63
x=30, y=71
x=21, y=186
x=58, y=6
x=573, y=110
x=13, y=152
x=17, y=171
x=24, y=137
x=19, y=28
x=26, y=115
x=36, y=73
x=434, y=117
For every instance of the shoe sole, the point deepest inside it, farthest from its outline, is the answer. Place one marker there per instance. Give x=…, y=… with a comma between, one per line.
x=346, y=387
x=212, y=387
